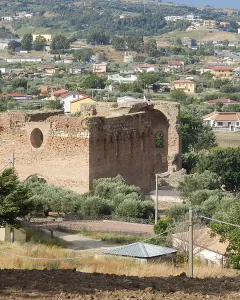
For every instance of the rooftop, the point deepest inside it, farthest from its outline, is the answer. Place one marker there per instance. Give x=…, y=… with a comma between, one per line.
x=141, y=250
x=222, y=100
x=223, y=116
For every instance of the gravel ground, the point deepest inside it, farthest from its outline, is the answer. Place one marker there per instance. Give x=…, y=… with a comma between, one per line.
x=69, y=284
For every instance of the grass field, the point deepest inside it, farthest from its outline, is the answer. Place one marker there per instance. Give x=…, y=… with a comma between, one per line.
x=100, y=264
x=203, y=35
x=228, y=139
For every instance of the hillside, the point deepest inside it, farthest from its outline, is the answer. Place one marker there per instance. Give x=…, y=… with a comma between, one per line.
x=81, y=18
x=203, y=35
x=67, y=284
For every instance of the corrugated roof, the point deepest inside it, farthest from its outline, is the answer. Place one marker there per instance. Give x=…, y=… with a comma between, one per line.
x=141, y=250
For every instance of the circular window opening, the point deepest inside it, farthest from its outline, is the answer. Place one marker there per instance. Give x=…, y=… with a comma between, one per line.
x=36, y=138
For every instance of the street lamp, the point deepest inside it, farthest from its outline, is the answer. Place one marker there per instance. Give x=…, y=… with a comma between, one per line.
x=156, y=201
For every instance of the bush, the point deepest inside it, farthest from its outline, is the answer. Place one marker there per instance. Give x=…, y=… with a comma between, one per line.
x=162, y=225
x=95, y=206
x=130, y=208
x=193, y=182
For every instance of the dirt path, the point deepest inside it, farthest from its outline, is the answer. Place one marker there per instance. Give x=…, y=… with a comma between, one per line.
x=80, y=242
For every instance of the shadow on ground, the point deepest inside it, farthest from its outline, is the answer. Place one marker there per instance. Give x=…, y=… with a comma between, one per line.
x=69, y=284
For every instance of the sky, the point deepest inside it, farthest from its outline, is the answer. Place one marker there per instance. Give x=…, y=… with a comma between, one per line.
x=215, y=3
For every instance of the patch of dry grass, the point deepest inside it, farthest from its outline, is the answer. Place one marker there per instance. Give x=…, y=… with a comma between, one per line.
x=98, y=264
x=228, y=139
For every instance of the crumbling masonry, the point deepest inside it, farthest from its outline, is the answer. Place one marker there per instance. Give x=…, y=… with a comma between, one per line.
x=108, y=139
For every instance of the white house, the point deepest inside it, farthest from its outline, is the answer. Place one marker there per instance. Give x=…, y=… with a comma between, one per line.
x=223, y=121
x=205, y=246
x=70, y=97
x=123, y=79
x=145, y=68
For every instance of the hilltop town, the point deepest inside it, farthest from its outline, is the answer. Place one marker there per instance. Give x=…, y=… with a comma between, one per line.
x=119, y=150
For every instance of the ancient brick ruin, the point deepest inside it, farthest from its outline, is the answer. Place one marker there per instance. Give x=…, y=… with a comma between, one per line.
x=108, y=139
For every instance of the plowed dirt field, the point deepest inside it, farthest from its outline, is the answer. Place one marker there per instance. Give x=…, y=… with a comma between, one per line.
x=69, y=284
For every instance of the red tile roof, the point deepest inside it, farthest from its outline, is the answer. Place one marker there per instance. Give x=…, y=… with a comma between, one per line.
x=15, y=95
x=47, y=67
x=223, y=116
x=59, y=93
x=221, y=100
x=175, y=63
x=222, y=68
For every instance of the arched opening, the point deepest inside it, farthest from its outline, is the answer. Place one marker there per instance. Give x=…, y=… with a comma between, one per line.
x=159, y=139
x=36, y=138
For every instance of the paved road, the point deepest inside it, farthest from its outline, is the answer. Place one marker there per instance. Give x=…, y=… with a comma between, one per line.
x=80, y=242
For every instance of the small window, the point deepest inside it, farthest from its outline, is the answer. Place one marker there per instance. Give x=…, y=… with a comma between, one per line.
x=159, y=140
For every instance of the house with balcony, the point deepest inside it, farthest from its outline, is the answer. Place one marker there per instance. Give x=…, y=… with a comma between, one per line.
x=223, y=121
x=49, y=70
x=222, y=72
x=174, y=66
x=99, y=68
x=187, y=86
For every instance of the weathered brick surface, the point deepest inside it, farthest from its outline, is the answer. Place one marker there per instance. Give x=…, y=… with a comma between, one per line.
x=108, y=139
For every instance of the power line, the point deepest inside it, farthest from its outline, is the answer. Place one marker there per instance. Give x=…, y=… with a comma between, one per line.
x=83, y=256
x=219, y=221
x=4, y=167
x=47, y=259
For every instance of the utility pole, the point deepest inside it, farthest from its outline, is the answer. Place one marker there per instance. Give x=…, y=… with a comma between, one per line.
x=190, y=256
x=156, y=204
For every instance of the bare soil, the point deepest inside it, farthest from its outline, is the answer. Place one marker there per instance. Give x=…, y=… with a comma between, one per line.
x=69, y=284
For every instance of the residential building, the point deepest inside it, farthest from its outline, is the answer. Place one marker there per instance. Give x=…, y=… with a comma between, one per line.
x=19, y=96
x=23, y=59
x=47, y=89
x=174, y=18
x=58, y=94
x=99, y=68
x=188, y=42
x=187, y=86
x=77, y=101
x=227, y=57
x=174, y=66
x=207, y=247
x=4, y=43
x=209, y=23
x=225, y=25
x=222, y=100
x=50, y=70
x=223, y=121
x=77, y=70
x=144, y=252
x=122, y=79
x=145, y=68
x=222, y=71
